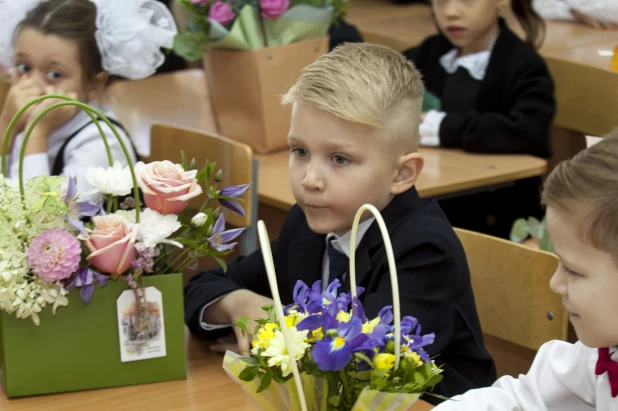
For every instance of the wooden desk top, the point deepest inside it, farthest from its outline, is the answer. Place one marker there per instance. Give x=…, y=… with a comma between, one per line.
x=207, y=388
x=445, y=171
x=181, y=98
x=598, y=54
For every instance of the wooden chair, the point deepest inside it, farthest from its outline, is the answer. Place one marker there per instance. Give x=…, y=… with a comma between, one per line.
x=234, y=158
x=517, y=309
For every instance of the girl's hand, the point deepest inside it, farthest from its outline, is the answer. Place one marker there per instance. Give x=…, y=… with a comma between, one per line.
x=18, y=96
x=57, y=117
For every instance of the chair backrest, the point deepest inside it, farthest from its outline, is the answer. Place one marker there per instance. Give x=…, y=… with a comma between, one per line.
x=233, y=158
x=511, y=289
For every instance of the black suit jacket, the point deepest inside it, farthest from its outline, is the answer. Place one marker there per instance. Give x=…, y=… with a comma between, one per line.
x=433, y=274
x=514, y=106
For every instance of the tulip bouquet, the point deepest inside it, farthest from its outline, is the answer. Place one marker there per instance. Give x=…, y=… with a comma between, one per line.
x=322, y=353
x=53, y=241
x=250, y=25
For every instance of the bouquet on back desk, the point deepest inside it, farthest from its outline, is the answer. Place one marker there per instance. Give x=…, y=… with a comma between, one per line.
x=250, y=25
x=54, y=241
x=322, y=353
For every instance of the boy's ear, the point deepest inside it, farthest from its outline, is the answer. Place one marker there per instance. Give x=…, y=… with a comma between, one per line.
x=409, y=167
x=97, y=85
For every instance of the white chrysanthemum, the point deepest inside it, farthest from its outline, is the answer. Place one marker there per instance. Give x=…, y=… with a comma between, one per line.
x=115, y=180
x=155, y=228
x=278, y=353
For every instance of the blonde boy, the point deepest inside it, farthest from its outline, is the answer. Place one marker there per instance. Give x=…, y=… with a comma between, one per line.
x=353, y=140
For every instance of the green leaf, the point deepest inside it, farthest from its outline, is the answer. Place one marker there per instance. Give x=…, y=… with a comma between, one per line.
x=221, y=262
x=334, y=400
x=186, y=241
x=183, y=161
x=201, y=175
x=250, y=360
x=241, y=323
x=188, y=46
x=519, y=231
x=534, y=227
x=249, y=373
x=211, y=168
x=363, y=357
x=264, y=382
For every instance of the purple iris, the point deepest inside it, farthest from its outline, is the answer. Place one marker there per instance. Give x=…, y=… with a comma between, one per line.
x=220, y=239
x=84, y=279
x=234, y=192
x=336, y=349
x=415, y=342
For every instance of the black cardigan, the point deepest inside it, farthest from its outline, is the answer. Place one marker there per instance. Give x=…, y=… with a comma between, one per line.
x=515, y=104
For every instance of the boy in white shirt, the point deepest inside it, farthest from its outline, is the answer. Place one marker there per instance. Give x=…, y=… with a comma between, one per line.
x=581, y=196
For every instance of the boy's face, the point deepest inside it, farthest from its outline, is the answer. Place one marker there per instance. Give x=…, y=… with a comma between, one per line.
x=470, y=25
x=587, y=280
x=336, y=166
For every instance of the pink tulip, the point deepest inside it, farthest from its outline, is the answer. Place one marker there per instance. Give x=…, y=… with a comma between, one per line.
x=112, y=244
x=272, y=9
x=222, y=13
x=167, y=187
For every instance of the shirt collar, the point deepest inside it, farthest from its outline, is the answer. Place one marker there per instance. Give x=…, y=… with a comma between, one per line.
x=476, y=64
x=342, y=243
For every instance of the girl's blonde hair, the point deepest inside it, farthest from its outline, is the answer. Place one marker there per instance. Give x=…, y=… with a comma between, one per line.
x=585, y=189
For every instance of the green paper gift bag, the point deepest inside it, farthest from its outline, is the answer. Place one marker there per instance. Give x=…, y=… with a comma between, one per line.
x=79, y=347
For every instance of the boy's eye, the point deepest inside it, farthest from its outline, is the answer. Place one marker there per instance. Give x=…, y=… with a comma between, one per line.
x=340, y=160
x=300, y=152
x=570, y=272
x=22, y=68
x=53, y=75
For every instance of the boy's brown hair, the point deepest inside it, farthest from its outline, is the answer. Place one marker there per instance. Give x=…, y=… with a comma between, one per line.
x=585, y=189
x=366, y=84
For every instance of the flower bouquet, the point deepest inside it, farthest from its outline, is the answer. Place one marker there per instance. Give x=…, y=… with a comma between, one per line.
x=58, y=246
x=322, y=352
x=251, y=25
x=255, y=49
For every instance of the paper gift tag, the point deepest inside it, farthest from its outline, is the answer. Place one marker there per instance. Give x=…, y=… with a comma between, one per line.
x=150, y=343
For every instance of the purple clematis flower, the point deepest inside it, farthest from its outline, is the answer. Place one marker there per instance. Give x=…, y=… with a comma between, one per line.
x=84, y=279
x=84, y=208
x=234, y=192
x=220, y=238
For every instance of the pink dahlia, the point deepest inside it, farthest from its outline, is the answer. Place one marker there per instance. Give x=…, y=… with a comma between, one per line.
x=54, y=255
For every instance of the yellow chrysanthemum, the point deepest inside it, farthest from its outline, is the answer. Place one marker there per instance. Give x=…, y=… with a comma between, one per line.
x=293, y=318
x=384, y=361
x=263, y=337
x=415, y=358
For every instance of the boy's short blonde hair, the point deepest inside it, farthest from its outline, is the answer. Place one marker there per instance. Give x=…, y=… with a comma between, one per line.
x=585, y=188
x=366, y=84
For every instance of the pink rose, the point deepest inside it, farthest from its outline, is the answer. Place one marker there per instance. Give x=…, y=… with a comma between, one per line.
x=221, y=13
x=167, y=187
x=272, y=9
x=112, y=244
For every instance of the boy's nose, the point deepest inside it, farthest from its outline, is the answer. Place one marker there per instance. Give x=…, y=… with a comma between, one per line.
x=558, y=283
x=312, y=180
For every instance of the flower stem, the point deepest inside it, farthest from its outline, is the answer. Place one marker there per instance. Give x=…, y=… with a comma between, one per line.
x=346, y=389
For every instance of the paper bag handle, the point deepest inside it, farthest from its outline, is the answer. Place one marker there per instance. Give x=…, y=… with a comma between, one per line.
x=391, y=266
x=272, y=281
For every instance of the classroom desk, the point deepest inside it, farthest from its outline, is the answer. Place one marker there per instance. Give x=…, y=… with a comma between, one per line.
x=207, y=388
x=445, y=172
x=181, y=98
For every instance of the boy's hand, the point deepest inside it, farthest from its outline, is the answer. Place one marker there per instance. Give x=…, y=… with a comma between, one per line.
x=237, y=304
x=423, y=117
